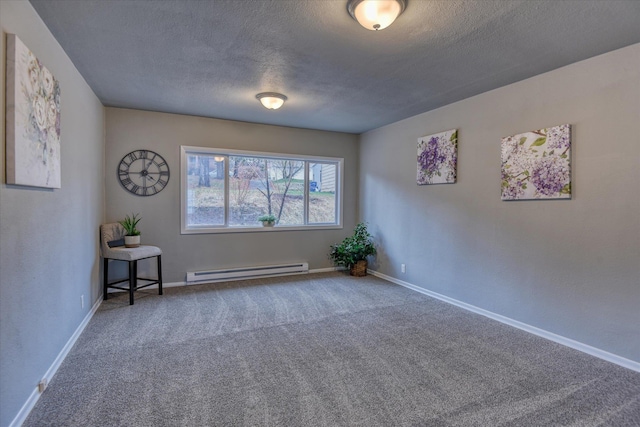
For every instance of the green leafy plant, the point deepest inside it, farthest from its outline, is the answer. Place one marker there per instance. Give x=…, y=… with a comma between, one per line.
x=353, y=248
x=267, y=218
x=129, y=223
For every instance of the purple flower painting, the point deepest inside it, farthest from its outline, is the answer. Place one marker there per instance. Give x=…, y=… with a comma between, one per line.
x=33, y=119
x=438, y=158
x=537, y=165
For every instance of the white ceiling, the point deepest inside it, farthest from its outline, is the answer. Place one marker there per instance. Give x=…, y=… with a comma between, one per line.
x=210, y=58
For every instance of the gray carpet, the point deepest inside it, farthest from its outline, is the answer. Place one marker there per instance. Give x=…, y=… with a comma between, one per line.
x=323, y=350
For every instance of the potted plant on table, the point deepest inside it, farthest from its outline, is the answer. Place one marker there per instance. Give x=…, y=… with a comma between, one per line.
x=352, y=253
x=267, y=220
x=132, y=238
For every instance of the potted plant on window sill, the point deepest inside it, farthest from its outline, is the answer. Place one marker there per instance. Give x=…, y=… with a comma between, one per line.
x=352, y=253
x=132, y=238
x=267, y=220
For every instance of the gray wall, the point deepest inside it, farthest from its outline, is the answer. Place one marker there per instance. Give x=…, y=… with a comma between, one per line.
x=568, y=267
x=127, y=130
x=48, y=238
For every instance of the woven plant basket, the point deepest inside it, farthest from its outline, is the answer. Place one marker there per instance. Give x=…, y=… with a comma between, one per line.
x=359, y=269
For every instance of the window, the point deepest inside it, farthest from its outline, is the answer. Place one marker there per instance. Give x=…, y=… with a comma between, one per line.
x=228, y=190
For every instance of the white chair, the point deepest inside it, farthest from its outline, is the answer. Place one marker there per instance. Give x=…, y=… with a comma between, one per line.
x=112, y=248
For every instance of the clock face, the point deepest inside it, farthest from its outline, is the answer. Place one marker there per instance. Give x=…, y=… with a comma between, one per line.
x=143, y=172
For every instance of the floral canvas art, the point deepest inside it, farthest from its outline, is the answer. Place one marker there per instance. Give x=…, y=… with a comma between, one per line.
x=33, y=119
x=537, y=164
x=438, y=158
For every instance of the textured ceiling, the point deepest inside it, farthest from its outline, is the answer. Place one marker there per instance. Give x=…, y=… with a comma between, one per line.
x=210, y=58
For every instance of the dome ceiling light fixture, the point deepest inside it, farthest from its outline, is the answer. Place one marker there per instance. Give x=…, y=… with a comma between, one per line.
x=271, y=100
x=375, y=15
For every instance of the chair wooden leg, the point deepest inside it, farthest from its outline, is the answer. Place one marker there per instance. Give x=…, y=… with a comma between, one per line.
x=132, y=279
x=105, y=278
x=159, y=276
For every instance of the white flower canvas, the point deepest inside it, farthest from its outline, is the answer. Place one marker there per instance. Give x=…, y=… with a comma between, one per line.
x=438, y=158
x=537, y=164
x=33, y=119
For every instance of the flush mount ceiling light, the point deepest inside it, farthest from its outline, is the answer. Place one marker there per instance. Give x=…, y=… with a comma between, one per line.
x=375, y=14
x=271, y=100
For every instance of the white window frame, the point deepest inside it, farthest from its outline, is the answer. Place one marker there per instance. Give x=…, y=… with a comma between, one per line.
x=185, y=151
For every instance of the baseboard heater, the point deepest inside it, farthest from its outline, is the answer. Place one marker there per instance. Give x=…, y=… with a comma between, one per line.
x=247, y=272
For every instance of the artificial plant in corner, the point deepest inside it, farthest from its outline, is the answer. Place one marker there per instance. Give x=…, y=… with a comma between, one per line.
x=352, y=253
x=132, y=237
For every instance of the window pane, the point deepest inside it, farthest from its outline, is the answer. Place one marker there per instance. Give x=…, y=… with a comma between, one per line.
x=322, y=193
x=205, y=190
x=267, y=186
x=286, y=178
x=246, y=202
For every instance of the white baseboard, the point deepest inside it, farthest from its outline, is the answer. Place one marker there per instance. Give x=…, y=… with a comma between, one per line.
x=325, y=270
x=171, y=285
x=593, y=351
x=35, y=394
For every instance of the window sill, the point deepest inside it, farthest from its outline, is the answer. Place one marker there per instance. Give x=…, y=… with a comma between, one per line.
x=260, y=229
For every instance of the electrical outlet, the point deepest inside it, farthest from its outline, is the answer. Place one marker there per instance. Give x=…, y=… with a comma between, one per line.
x=403, y=268
x=82, y=300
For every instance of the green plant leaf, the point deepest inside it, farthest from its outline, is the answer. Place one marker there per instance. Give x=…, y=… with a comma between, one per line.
x=538, y=142
x=129, y=224
x=523, y=140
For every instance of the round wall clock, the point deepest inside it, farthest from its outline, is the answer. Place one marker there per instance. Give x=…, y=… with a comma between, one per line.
x=143, y=172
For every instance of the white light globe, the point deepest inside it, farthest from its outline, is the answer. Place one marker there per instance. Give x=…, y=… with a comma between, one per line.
x=377, y=14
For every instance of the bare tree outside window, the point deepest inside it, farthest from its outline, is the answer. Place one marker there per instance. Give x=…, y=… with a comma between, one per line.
x=282, y=185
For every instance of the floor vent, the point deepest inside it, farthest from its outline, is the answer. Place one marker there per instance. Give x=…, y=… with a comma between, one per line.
x=247, y=272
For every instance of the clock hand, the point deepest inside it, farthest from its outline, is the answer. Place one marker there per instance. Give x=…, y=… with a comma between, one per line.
x=150, y=161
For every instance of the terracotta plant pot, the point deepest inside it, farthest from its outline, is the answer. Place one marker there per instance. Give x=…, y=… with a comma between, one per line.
x=268, y=223
x=131, y=241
